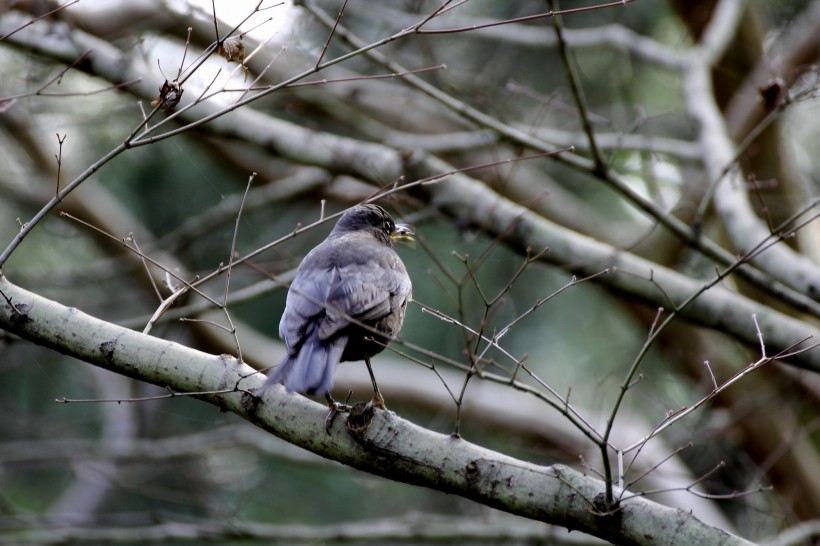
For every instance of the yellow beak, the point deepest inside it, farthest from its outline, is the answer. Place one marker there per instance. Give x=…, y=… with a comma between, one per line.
x=403, y=234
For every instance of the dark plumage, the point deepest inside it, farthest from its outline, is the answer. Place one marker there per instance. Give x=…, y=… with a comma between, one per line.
x=346, y=302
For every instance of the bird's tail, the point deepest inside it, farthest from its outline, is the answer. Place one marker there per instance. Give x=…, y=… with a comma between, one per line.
x=311, y=369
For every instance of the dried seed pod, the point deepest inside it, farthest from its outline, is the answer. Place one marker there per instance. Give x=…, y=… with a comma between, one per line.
x=233, y=50
x=169, y=95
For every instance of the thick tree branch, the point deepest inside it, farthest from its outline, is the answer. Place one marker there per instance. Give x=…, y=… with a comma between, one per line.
x=388, y=446
x=731, y=197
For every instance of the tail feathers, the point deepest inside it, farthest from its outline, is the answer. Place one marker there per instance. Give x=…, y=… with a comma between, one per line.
x=310, y=370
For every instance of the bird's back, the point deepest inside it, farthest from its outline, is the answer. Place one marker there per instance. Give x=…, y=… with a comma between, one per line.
x=347, y=302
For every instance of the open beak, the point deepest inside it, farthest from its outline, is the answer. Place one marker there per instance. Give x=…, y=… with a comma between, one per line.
x=403, y=234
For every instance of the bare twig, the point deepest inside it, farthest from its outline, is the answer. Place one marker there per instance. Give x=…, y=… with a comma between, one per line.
x=38, y=18
x=232, y=255
x=523, y=19
x=171, y=394
x=59, y=158
x=577, y=94
x=330, y=35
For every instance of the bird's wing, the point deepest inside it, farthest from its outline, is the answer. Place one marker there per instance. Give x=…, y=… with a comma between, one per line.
x=366, y=292
x=339, y=280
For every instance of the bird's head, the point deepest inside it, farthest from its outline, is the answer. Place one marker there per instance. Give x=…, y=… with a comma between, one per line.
x=375, y=220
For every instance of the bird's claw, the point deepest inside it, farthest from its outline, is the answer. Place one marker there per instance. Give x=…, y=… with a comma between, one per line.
x=335, y=409
x=361, y=413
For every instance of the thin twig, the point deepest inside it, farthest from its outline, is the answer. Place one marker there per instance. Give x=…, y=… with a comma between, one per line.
x=523, y=19
x=59, y=158
x=38, y=18
x=216, y=26
x=231, y=265
x=171, y=394
x=330, y=35
x=577, y=94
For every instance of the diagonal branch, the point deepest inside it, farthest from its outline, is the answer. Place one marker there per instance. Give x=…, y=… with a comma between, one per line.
x=389, y=446
x=475, y=204
x=731, y=198
x=775, y=286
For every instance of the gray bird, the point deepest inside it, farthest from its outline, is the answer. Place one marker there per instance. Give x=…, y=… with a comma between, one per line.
x=346, y=303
